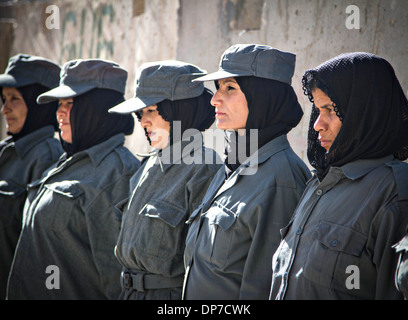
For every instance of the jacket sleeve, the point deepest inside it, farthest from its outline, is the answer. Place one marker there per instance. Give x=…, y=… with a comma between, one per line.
x=387, y=228
x=272, y=211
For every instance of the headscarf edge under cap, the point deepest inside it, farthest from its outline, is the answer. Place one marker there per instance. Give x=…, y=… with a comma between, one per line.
x=91, y=123
x=274, y=110
x=38, y=116
x=200, y=115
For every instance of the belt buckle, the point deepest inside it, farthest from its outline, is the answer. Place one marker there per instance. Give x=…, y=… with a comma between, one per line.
x=126, y=280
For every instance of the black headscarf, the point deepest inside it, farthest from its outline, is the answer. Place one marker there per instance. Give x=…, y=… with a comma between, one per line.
x=273, y=110
x=38, y=116
x=92, y=124
x=371, y=104
x=194, y=113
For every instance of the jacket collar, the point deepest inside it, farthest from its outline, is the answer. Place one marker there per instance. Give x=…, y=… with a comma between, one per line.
x=26, y=143
x=100, y=151
x=177, y=152
x=250, y=166
x=358, y=169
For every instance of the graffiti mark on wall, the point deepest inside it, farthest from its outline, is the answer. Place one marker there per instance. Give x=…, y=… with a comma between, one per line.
x=83, y=33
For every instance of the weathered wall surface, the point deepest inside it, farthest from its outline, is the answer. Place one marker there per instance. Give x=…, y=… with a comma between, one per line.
x=313, y=29
x=132, y=32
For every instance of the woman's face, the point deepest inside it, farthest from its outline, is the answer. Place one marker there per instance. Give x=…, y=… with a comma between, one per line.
x=157, y=128
x=14, y=110
x=231, y=106
x=63, y=117
x=328, y=124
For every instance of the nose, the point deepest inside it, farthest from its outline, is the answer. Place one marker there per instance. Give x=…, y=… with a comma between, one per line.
x=320, y=124
x=144, y=121
x=60, y=110
x=63, y=109
x=216, y=99
x=5, y=108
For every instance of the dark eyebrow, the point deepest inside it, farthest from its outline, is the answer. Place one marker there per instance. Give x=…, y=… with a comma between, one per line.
x=326, y=106
x=227, y=81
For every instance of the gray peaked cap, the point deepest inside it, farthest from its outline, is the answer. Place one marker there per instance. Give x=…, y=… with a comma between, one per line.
x=80, y=76
x=254, y=60
x=162, y=80
x=24, y=69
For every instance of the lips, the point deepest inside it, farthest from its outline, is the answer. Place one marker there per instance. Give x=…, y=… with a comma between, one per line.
x=324, y=142
x=219, y=114
x=61, y=123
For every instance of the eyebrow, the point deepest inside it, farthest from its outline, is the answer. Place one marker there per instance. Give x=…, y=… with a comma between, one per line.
x=225, y=81
x=326, y=106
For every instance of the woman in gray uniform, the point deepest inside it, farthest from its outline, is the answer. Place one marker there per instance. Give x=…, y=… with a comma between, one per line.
x=31, y=147
x=235, y=230
x=66, y=247
x=339, y=243
x=171, y=181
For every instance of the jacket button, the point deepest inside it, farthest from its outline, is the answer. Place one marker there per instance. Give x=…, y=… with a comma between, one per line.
x=334, y=243
x=319, y=192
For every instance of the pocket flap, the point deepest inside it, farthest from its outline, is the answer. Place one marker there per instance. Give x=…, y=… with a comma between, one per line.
x=402, y=245
x=221, y=216
x=11, y=189
x=340, y=238
x=168, y=212
x=66, y=188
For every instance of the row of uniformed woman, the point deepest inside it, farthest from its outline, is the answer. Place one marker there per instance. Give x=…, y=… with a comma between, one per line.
x=82, y=218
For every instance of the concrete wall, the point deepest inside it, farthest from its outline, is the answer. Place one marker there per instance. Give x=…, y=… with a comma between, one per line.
x=132, y=32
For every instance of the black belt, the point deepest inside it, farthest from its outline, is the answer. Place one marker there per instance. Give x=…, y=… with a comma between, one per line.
x=141, y=281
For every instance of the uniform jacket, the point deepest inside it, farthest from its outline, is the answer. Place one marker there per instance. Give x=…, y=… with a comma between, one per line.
x=235, y=230
x=66, y=248
x=339, y=243
x=163, y=196
x=21, y=162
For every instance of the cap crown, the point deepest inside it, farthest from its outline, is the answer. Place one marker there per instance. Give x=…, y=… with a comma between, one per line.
x=94, y=73
x=260, y=61
x=170, y=80
x=24, y=69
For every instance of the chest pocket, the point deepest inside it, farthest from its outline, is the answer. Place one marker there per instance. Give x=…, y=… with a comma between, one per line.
x=161, y=232
x=220, y=220
x=335, y=248
x=56, y=204
x=12, y=198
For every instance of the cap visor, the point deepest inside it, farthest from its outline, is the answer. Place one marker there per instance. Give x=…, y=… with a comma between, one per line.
x=134, y=104
x=7, y=80
x=62, y=92
x=221, y=74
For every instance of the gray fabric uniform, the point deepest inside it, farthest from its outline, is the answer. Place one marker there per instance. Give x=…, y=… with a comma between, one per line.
x=235, y=231
x=151, y=243
x=21, y=162
x=339, y=243
x=70, y=223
